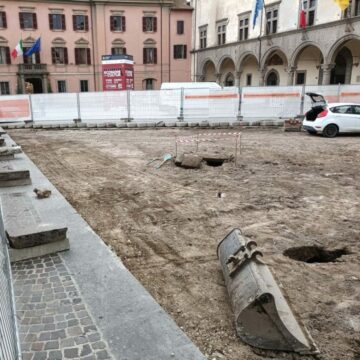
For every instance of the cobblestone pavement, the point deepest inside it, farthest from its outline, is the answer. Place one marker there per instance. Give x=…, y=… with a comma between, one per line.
x=53, y=320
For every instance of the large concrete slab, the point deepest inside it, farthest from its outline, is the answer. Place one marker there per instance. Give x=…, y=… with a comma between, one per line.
x=14, y=177
x=23, y=224
x=133, y=323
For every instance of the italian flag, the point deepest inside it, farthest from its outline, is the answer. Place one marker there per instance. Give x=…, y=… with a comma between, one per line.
x=302, y=16
x=18, y=51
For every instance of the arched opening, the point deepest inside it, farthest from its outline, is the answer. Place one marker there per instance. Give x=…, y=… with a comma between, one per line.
x=308, y=66
x=209, y=71
x=227, y=68
x=341, y=73
x=277, y=63
x=272, y=78
x=249, y=67
x=229, y=80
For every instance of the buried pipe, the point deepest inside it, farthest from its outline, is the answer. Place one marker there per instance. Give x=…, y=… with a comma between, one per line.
x=262, y=315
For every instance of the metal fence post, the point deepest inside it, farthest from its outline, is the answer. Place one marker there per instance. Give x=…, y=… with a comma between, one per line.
x=181, y=116
x=338, y=92
x=78, y=119
x=128, y=99
x=239, y=116
x=31, y=109
x=302, y=100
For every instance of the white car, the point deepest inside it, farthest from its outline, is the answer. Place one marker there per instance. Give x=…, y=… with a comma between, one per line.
x=331, y=119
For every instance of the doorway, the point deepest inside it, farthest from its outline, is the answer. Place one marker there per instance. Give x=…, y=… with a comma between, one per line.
x=37, y=84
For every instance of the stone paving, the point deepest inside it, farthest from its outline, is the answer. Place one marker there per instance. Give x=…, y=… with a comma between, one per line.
x=54, y=322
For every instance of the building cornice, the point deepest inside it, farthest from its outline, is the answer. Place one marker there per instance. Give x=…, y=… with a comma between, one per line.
x=169, y=3
x=281, y=34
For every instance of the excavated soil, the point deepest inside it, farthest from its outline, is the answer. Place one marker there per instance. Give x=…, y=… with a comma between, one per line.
x=288, y=190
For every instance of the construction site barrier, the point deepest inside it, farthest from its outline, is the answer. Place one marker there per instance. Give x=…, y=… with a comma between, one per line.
x=193, y=105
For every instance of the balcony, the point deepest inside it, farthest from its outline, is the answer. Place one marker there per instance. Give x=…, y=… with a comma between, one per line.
x=26, y=69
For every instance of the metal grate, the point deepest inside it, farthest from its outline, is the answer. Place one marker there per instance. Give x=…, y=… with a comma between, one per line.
x=9, y=339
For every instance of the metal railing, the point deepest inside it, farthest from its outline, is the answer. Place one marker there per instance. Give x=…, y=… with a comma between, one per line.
x=9, y=337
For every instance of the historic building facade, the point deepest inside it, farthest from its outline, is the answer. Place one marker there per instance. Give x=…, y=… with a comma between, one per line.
x=277, y=51
x=76, y=33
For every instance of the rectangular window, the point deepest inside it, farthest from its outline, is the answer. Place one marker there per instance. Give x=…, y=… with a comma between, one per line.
x=150, y=56
x=118, y=51
x=84, y=85
x=82, y=56
x=203, y=38
x=180, y=51
x=4, y=88
x=61, y=84
x=117, y=23
x=28, y=20
x=248, y=79
x=243, y=28
x=80, y=23
x=59, y=55
x=271, y=20
x=221, y=34
x=5, y=55
x=149, y=84
x=32, y=59
x=57, y=22
x=300, y=78
x=149, y=24
x=3, y=22
x=180, y=27
x=309, y=8
x=353, y=9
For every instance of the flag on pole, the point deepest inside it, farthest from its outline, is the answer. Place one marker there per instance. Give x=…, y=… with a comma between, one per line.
x=302, y=16
x=36, y=47
x=18, y=51
x=343, y=4
x=259, y=4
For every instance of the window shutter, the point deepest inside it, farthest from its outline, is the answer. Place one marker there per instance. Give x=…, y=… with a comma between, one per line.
x=144, y=56
x=3, y=14
x=155, y=56
x=112, y=23
x=53, y=55
x=88, y=56
x=34, y=21
x=8, y=58
x=144, y=23
x=123, y=23
x=63, y=23
x=66, y=58
x=74, y=22
x=51, y=22
x=86, y=23
x=21, y=19
x=77, y=56
x=185, y=51
x=37, y=58
x=155, y=24
x=174, y=51
x=25, y=57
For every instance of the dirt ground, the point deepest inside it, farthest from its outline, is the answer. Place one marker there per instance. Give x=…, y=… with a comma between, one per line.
x=288, y=190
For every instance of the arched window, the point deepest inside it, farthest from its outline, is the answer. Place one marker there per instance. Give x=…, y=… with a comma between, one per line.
x=272, y=79
x=229, y=80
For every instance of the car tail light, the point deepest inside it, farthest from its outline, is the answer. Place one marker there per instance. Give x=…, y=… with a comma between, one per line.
x=323, y=113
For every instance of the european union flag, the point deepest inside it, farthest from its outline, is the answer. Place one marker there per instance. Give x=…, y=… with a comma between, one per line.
x=35, y=48
x=259, y=4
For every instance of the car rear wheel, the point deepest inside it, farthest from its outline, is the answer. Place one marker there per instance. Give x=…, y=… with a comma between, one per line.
x=331, y=131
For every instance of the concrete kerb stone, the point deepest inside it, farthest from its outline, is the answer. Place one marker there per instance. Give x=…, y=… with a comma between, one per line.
x=20, y=126
x=170, y=124
x=110, y=125
x=131, y=125
x=142, y=125
x=151, y=125
x=91, y=126
x=160, y=124
x=204, y=124
x=181, y=124
x=81, y=125
x=193, y=124
x=121, y=125
x=101, y=126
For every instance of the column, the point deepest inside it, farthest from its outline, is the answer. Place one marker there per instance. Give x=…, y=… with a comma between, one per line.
x=218, y=78
x=237, y=78
x=262, y=77
x=291, y=71
x=326, y=68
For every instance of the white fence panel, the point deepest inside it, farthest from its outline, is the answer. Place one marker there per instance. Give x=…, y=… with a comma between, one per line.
x=155, y=104
x=350, y=93
x=54, y=107
x=196, y=104
x=14, y=108
x=103, y=106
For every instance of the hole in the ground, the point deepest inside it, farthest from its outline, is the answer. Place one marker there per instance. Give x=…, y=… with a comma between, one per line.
x=315, y=254
x=214, y=162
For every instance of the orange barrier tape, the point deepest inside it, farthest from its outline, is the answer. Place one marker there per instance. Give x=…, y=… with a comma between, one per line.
x=10, y=109
x=223, y=96
x=272, y=95
x=350, y=94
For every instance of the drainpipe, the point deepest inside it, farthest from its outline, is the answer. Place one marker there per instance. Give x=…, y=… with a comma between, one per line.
x=170, y=45
x=194, y=37
x=161, y=43
x=92, y=16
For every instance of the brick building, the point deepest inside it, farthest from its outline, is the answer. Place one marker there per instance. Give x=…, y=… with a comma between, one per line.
x=76, y=33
